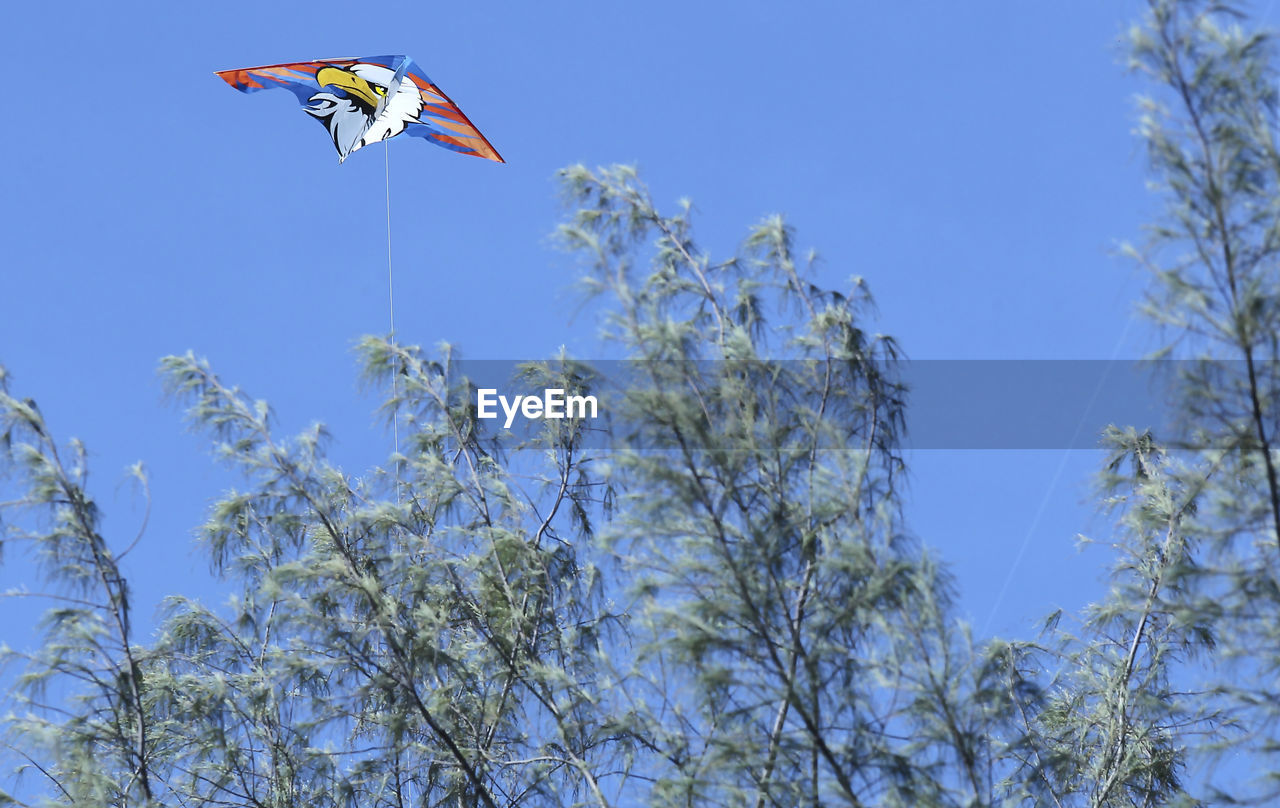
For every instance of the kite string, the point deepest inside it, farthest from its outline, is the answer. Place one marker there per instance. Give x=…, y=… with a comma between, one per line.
x=1053, y=481
x=391, y=305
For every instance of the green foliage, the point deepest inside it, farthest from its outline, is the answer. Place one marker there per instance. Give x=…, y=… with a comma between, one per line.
x=102, y=742
x=435, y=628
x=751, y=625
x=1113, y=727
x=780, y=608
x=1210, y=131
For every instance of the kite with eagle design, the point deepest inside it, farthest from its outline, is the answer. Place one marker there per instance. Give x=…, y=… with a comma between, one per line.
x=362, y=101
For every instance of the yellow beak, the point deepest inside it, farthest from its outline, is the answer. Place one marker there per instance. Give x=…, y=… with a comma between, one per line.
x=351, y=83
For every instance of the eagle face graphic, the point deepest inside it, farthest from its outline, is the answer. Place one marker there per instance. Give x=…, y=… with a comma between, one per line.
x=362, y=104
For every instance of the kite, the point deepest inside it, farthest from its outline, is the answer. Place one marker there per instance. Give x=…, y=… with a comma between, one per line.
x=362, y=101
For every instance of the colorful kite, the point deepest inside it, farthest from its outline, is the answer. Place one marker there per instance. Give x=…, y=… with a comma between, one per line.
x=362, y=101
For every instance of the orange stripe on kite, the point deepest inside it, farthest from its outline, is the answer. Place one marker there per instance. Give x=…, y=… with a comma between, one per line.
x=430, y=91
x=445, y=111
x=281, y=73
x=465, y=129
x=478, y=145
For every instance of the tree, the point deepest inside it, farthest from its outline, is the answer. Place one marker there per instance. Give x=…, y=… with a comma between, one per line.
x=794, y=648
x=1211, y=137
x=102, y=738
x=443, y=632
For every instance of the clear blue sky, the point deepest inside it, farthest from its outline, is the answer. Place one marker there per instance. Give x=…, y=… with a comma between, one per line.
x=975, y=162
